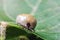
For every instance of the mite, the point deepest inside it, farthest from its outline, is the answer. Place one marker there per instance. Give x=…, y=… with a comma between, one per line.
x=26, y=20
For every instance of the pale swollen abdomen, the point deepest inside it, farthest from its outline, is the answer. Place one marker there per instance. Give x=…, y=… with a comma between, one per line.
x=26, y=20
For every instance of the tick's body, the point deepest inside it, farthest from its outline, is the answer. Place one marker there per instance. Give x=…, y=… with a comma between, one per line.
x=27, y=20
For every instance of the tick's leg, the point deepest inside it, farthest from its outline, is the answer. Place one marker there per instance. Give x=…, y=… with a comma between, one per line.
x=28, y=26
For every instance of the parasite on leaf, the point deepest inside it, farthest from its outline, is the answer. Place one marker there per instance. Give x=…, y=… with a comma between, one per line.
x=26, y=20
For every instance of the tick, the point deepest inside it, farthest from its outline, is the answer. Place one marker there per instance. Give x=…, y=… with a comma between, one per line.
x=26, y=20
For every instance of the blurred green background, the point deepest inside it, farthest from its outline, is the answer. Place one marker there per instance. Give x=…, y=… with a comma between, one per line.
x=47, y=13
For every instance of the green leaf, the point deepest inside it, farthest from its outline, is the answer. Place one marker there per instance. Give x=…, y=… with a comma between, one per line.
x=47, y=13
x=3, y=16
x=15, y=32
